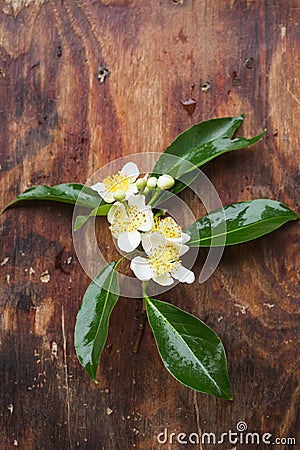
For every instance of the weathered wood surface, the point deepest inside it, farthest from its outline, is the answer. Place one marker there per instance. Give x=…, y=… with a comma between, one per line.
x=59, y=124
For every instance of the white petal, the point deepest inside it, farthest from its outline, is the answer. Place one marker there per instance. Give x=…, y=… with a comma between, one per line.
x=184, y=275
x=141, y=268
x=130, y=170
x=146, y=243
x=129, y=241
x=148, y=222
x=107, y=196
x=98, y=187
x=164, y=280
x=118, y=209
x=138, y=201
x=185, y=238
x=170, y=221
x=153, y=240
x=114, y=232
x=175, y=240
x=183, y=249
x=131, y=191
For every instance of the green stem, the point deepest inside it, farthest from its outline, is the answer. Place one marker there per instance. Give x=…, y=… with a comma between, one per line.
x=157, y=192
x=144, y=286
x=161, y=212
x=124, y=257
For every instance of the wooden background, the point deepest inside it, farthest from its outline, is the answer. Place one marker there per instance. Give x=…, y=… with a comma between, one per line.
x=59, y=124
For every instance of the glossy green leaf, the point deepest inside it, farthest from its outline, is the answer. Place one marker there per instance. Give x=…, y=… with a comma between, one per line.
x=200, y=144
x=189, y=349
x=81, y=219
x=243, y=222
x=64, y=193
x=197, y=135
x=92, y=321
x=203, y=132
x=180, y=185
x=201, y=155
x=100, y=211
x=185, y=181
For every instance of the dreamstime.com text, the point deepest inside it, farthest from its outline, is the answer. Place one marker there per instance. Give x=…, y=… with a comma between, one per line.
x=238, y=436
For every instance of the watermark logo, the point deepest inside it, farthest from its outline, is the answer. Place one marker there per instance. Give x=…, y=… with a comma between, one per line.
x=241, y=426
x=240, y=435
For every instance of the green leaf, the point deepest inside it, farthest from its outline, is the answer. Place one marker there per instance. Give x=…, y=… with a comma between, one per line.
x=100, y=211
x=201, y=155
x=197, y=135
x=180, y=185
x=81, y=220
x=92, y=321
x=189, y=349
x=239, y=222
x=200, y=144
x=64, y=193
x=184, y=182
x=203, y=132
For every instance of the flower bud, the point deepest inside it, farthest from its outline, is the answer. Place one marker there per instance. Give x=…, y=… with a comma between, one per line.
x=165, y=182
x=141, y=184
x=152, y=182
x=119, y=196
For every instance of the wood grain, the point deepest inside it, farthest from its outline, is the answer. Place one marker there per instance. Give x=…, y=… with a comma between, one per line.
x=59, y=124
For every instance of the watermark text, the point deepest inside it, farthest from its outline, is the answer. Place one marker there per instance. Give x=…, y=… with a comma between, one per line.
x=238, y=436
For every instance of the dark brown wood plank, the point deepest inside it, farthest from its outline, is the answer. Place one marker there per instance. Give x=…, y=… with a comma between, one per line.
x=59, y=124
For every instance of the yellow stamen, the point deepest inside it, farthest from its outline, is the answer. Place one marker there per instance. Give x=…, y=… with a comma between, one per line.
x=136, y=218
x=132, y=222
x=164, y=259
x=167, y=227
x=117, y=182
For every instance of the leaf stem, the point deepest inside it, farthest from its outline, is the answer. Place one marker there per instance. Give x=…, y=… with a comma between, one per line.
x=144, y=285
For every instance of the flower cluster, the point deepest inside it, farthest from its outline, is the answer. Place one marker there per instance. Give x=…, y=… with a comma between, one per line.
x=134, y=223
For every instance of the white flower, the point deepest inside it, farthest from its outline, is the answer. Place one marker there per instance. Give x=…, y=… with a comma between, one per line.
x=163, y=262
x=120, y=196
x=127, y=221
x=169, y=229
x=141, y=184
x=165, y=182
x=123, y=181
x=152, y=182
